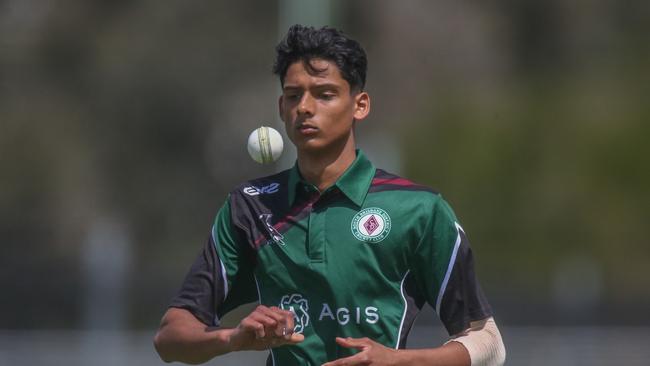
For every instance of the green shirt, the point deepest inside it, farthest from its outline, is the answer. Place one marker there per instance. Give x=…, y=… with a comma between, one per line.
x=357, y=260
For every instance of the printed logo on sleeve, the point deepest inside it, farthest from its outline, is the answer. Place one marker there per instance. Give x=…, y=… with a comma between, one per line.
x=255, y=191
x=371, y=225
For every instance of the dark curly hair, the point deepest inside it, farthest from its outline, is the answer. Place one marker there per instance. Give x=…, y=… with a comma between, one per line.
x=306, y=43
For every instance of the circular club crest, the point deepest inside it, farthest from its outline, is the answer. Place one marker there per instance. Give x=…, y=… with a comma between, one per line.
x=371, y=225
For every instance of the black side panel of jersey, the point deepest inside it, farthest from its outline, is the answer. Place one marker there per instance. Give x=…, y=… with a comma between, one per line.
x=463, y=301
x=414, y=302
x=199, y=293
x=253, y=213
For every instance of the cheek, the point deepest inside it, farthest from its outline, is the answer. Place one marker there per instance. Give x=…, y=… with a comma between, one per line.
x=287, y=126
x=344, y=113
x=287, y=114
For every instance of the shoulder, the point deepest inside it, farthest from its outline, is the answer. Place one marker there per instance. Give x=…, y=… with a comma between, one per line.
x=258, y=187
x=407, y=193
x=260, y=196
x=384, y=181
x=250, y=196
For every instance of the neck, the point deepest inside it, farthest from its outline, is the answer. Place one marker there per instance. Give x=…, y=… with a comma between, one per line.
x=323, y=168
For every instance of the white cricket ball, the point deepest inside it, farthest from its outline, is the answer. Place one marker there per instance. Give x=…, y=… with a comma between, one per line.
x=265, y=145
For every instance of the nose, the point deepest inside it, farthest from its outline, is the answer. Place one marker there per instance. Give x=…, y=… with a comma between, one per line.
x=306, y=105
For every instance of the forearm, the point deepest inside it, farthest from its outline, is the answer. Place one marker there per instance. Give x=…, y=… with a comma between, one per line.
x=184, y=338
x=480, y=345
x=451, y=354
x=483, y=342
x=187, y=340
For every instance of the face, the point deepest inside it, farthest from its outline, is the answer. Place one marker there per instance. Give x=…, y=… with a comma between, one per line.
x=318, y=108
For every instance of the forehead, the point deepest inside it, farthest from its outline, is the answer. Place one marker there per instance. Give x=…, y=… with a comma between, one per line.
x=315, y=70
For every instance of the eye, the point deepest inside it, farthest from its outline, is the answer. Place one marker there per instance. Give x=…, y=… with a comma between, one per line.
x=327, y=95
x=292, y=97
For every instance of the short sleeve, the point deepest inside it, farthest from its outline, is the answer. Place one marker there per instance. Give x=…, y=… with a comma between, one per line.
x=444, y=268
x=221, y=277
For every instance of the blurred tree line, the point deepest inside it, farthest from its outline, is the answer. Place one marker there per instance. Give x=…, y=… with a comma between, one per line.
x=530, y=118
x=549, y=166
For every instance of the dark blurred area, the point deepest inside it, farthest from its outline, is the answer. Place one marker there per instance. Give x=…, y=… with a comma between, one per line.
x=123, y=126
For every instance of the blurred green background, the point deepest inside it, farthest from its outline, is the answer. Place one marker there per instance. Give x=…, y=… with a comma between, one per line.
x=123, y=125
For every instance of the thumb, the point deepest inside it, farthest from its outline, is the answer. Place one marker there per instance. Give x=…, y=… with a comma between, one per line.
x=295, y=338
x=351, y=342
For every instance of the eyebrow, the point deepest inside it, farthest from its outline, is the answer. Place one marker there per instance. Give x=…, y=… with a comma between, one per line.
x=316, y=86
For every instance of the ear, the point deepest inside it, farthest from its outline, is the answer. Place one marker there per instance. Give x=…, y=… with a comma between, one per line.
x=361, y=105
x=280, y=108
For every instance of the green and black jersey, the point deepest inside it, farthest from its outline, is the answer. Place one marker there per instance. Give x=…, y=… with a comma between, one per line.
x=357, y=260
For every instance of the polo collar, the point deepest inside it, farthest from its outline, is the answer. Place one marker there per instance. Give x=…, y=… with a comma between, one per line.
x=354, y=182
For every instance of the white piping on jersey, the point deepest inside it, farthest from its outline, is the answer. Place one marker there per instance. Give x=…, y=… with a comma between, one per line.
x=257, y=286
x=452, y=260
x=401, y=324
x=259, y=300
x=223, y=268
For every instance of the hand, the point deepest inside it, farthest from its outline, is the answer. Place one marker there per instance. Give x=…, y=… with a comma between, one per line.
x=264, y=328
x=371, y=353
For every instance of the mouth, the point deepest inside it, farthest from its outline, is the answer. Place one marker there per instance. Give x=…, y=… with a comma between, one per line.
x=307, y=129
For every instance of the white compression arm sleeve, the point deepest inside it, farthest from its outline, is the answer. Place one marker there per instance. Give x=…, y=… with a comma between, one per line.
x=483, y=342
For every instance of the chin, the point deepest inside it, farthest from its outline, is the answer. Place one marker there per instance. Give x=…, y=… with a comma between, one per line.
x=311, y=145
x=309, y=148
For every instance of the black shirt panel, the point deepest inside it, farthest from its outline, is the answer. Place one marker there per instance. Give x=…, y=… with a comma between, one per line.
x=199, y=294
x=463, y=301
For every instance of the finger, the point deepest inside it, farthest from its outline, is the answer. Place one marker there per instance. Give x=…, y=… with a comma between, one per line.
x=357, y=343
x=358, y=359
x=275, y=313
x=289, y=322
x=251, y=325
x=284, y=316
x=281, y=328
x=262, y=318
x=271, y=326
x=281, y=311
x=296, y=338
x=272, y=312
